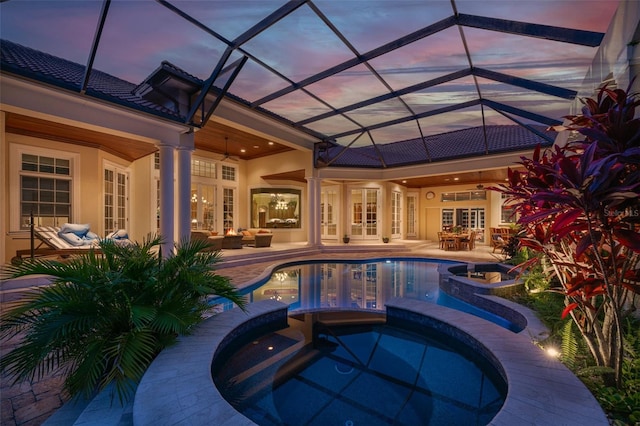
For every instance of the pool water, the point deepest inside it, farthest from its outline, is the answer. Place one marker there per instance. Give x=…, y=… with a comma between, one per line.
x=360, y=285
x=368, y=374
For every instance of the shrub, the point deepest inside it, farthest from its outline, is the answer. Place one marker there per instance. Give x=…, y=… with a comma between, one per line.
x=105, y=317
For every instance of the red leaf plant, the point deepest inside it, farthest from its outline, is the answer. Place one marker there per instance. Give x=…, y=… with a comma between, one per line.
x=578, y=205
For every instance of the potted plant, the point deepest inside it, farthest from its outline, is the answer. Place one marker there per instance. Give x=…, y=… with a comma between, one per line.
x=104, y=318
x=385, y=239
x=345, y=239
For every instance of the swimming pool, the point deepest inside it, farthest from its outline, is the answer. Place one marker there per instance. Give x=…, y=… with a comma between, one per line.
x=364, y=284
x=365, y=374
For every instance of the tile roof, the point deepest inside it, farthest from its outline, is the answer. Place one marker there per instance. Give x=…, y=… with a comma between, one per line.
x=47, y=68
x=446, y=146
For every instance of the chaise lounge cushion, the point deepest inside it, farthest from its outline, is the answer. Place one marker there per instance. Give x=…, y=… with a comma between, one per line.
x=120, y=237
x=78, y=234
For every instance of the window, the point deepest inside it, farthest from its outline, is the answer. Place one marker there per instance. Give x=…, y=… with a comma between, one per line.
x=46, y=183
x=464, y=196
x=227, y=207
x=275, y=208
x=507, y=214
x=204, y=168
x=228, y=173
x=447, y=218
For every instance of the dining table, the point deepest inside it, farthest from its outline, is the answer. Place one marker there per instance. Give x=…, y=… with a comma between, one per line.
x=452, y=240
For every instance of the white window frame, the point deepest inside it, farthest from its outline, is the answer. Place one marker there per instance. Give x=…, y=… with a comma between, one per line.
x=15, y=172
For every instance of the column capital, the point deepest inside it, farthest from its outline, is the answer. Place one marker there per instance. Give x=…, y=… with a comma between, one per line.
x=187, y=142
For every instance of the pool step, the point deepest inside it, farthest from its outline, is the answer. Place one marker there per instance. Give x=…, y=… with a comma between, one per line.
x=275, y=358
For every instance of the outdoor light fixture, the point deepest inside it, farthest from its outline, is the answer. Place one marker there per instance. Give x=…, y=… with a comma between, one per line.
x=552, y=352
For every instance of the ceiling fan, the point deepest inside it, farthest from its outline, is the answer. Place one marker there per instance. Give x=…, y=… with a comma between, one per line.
x=226, y=155
x=479, y=186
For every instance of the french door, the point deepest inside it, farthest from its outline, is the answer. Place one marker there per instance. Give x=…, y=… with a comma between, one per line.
x=116, y=199
x=364, y=213
x=412, y=218
x=468, y=218
x=329, y=212
x=203, y=206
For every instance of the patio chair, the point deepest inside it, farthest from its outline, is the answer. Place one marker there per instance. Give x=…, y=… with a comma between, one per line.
x=498, y=241
x=62, y=241
x=468, y=242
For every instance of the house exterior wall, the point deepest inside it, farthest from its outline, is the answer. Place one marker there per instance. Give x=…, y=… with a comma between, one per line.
x=279, y=163
x=143, y=181
x=430, y=210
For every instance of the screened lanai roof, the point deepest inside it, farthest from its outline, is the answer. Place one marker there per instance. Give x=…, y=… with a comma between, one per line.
x=394, y=82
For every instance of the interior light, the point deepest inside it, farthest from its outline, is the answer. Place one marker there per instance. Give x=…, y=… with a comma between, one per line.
x=270, y=348
x=243, y=150
x=404, y=181
x=456, y=178
x=256, y=146
x=270, y=143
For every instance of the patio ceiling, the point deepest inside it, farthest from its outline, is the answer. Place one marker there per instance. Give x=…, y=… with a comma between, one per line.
x=352, y=73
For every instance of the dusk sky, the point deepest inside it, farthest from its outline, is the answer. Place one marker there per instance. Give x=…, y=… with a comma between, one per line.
x=140, y=34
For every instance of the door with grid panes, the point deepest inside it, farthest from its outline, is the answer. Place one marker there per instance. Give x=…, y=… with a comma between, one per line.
x=364, y=213
x=329, y=211
x=116, y=199
x=396, y=214
x=412, y=218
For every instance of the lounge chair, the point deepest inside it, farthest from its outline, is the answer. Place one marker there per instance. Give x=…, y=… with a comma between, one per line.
x=60, y=241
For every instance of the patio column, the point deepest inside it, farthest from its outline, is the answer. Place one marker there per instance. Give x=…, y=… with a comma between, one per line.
x=314, y=215
x=166, y=198
x=184, y=185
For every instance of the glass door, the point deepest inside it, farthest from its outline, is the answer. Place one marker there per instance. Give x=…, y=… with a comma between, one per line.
x=466, y=218
x=364, y=213
x=412, y=206
x=396, y=214
x=116, y=199
x=329, y=211
x=203, y=204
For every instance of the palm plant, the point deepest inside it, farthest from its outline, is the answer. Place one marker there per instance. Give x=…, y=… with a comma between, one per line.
x=105, y=317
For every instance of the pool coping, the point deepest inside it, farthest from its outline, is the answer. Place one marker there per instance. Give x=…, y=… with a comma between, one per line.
x=178, y=389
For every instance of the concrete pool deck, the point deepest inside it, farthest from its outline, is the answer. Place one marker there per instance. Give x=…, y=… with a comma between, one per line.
x=177, y=389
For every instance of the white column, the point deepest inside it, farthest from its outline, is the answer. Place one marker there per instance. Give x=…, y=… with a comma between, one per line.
x=184, y=186
x=4, y=195
x=166, y=198
x=314, y=215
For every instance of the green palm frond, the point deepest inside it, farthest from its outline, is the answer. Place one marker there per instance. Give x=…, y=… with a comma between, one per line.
x=105, y=317
x=569, y=345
